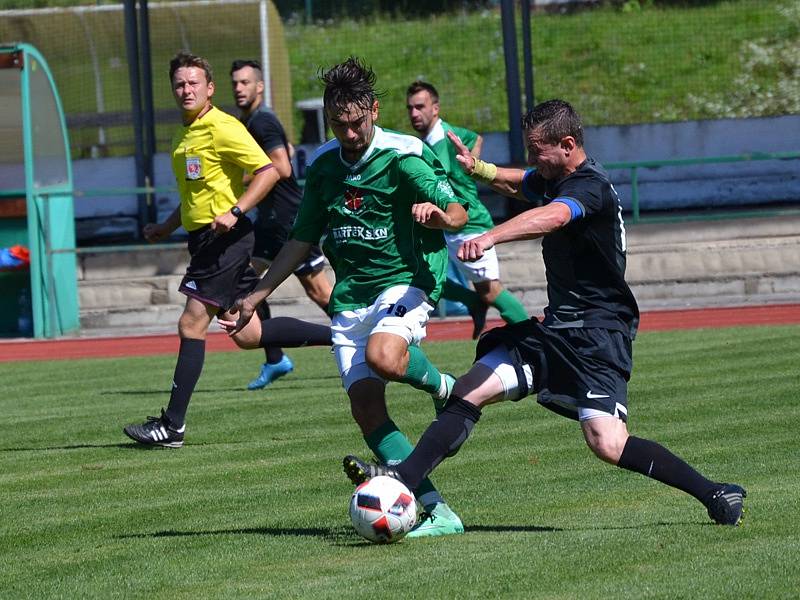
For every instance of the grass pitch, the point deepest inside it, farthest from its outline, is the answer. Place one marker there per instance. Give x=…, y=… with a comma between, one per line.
x=255, y=504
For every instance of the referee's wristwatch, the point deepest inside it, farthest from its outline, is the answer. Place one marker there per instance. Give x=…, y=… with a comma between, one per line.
x=236, y=211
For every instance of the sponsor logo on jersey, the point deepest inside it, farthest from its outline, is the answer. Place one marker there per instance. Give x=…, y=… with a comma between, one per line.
x=341, y=234
x=353, y=199
x=191, y=285
x=445, y=187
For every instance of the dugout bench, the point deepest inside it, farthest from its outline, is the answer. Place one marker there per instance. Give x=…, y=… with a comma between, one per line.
x=36, y=197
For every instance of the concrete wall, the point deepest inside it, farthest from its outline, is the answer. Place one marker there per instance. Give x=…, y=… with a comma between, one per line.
x=756, y=182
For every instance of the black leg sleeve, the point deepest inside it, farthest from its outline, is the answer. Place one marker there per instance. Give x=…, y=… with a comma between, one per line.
x=654, y=460
x=287, y=332
x=442, y=439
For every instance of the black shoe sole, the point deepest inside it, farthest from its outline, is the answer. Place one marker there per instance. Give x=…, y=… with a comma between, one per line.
x=150, y=444
x=353, y=471
x=740, y=517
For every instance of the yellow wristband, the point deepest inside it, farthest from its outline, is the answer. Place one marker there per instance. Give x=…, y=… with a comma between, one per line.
x=484, y=172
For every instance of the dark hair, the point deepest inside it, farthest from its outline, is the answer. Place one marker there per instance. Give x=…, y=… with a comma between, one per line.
x=242, y=63
x=555, y=119
x=351, y=82
x=423, y=86
x=187, y=59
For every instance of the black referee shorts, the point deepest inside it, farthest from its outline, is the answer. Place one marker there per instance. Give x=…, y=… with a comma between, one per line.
x=219, y=271
x=272, y=234
x=572, y=367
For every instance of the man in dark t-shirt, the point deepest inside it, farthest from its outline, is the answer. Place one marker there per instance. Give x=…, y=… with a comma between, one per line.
x=277, y=212
x=579, y=358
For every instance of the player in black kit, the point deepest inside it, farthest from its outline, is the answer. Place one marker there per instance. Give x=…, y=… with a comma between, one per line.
x=579, y=358
x=276, y=213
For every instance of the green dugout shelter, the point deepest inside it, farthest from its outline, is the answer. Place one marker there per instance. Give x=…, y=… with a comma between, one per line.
x=36, y=197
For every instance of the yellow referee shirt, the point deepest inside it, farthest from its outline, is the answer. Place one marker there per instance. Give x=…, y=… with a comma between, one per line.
x=209, y=158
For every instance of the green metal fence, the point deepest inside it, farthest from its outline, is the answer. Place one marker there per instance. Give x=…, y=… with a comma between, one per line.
x=636, y=166
x=635, y=214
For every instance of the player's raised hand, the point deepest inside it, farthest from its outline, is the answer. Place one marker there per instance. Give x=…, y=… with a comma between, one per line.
x=463, y=155
x=245, y=310
x=429, y=215
x=473, y=249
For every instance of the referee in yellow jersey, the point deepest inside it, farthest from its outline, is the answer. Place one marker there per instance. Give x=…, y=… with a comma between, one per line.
x=210, y=154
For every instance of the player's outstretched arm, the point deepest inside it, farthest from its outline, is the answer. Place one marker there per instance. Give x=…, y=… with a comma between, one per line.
x=531, y=224
x=502, y=180
x=291, y=255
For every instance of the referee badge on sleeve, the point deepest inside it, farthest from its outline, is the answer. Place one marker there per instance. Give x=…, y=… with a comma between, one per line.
x=194, y=168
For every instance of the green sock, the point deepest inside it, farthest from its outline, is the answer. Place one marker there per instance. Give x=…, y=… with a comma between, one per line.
x=421, y=373
x=391, y=446
x=458, y=293
x=510, y=309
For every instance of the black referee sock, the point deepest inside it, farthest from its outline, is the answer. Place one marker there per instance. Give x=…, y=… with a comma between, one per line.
x=441, y=439
x=653, y=460
x=288, y=332
x=191, y=356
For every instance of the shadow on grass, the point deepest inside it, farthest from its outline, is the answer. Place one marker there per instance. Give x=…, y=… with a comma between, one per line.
x=339, y=535
x=71, y=447
x=643, y=526
x=509, y=528
x=161, y=392
x=286, y=385
x=634, y=526
x=122, y=445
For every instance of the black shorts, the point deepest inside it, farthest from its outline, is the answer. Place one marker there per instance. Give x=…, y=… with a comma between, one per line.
x=219, y=271
x=572, y=367
x=271, y=235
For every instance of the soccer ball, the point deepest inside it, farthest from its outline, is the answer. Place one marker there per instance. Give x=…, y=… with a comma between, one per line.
x=383, y=510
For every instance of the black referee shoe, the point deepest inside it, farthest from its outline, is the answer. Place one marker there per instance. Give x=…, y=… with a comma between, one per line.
x=360, y=471
x=156, y=431
x=726, y=505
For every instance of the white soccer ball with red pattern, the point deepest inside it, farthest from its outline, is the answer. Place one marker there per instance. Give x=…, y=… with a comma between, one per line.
x=383, y=510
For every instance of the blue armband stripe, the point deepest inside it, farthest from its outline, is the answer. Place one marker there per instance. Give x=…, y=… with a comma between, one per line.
x=575, y=208
x=529, y=194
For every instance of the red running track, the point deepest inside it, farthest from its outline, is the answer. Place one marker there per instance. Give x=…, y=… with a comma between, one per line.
x=659, y=320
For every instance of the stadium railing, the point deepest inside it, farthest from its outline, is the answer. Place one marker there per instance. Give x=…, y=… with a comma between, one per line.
x=635, y=166
x=635, y=214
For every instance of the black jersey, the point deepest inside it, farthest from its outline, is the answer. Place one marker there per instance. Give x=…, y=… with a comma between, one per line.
x=585, y=260
x=282, y=202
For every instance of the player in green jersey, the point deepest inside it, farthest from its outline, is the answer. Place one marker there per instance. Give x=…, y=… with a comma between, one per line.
x=422, y=102
x=381, y=199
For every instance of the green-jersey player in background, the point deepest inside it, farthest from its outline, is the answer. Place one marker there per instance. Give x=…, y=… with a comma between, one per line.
x=381, y=200
x=422, y=102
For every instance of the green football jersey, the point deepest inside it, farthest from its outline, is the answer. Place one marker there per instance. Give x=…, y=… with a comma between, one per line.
x=364, y=212
x=479, y=218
